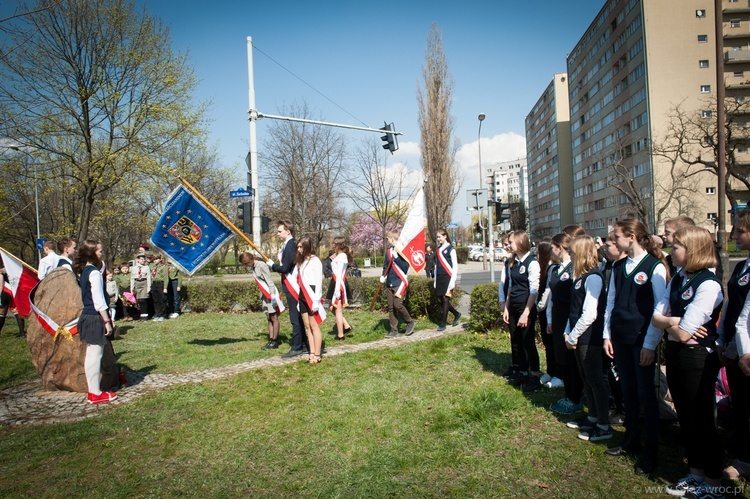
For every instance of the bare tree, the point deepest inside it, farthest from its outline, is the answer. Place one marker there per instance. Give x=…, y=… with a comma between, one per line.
x=379, y=190
x=436, y=134
x=306, y=175
x=93, y=89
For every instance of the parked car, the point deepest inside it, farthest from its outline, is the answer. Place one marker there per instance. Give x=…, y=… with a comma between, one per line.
x=476, y=254
x=480, y=255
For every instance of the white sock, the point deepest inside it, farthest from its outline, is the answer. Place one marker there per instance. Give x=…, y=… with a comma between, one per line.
x=92, y=366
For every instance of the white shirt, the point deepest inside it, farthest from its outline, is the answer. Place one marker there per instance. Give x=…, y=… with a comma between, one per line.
x=742, y=335
x=593, y=289
x=707, y=297
x=46, y=264
x=97, y=291
x=338, y=266
x=658, y=286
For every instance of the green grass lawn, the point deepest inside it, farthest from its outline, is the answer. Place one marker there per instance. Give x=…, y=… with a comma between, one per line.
x=427, y=419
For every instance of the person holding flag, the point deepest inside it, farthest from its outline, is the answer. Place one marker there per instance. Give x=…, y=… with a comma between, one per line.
x=272, y=304
x=309, y=272
x=446, y=272
x=19, y=280
x=396, y=283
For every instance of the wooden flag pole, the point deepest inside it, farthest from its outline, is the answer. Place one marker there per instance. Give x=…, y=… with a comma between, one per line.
x=221, y=216
x=22, y=262
x=380, y=286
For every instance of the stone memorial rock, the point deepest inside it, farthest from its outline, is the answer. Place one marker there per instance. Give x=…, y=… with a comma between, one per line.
x=59, y=358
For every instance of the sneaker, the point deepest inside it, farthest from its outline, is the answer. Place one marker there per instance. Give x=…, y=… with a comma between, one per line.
x=101, y=398
x=392, y=334
x=271, y=344
x=566, y=407
x=455, y=320
x=684, y=485
x=441, y=328
x=596, y=434
x=410, y=328
x=706, y=491
x=545, y=378
x=510, y=371
x=583, y=424
x=616, y=418
x=531, y=385
x=157, y=319
x=174, y=315
x=555, y=382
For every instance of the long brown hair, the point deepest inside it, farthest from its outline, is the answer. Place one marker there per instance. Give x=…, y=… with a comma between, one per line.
x=341, y=246
x=562, y=240
x=633, y=226
x=699, y=248
x=585, y=256
x=86, y=254
x=543, y=255
x=307, y=251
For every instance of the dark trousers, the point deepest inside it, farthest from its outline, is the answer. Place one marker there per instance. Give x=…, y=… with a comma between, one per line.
x=173, y=297
x=549, y=347
x=589, y=360
x=612, y=378
x=396, y=304
x=691, y=376
x=638, y=390
x=739, y=389
x=294, y=318
x=573, y=381
x=158, y=297
x=523, y=339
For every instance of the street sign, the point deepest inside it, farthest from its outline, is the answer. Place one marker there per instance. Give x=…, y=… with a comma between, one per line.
x=476, y=199
x=240, y=193
x=40, y=243
x=452, y=225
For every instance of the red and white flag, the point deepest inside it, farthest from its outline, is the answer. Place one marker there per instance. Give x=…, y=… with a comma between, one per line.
x=411, y=241
x=21, y=280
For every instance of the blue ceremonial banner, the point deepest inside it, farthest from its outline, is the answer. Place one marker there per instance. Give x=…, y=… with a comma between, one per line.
x=188, y=232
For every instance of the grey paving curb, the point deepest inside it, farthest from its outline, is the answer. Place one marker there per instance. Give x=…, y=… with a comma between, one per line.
x=28, y=404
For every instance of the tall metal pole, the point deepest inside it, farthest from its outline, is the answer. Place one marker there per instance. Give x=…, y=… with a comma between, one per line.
x=479, y=145
x=721, y=232
x=253, y=163
x=36, y=202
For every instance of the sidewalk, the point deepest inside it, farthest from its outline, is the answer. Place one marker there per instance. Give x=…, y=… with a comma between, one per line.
x=29, y=404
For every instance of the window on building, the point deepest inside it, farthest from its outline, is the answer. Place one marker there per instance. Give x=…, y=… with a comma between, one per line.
x=710, y=190
x=701, y=13
x=702, y=38
x=706, y=114
x=735, y=23
x=703, y=63
x=739, y=74
x=705, y=89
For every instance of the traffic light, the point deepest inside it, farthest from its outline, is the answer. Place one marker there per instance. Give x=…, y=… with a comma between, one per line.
x=264, y=223
x=245, y=214
x=478, y=228
x=389, y=138
x=499, y=215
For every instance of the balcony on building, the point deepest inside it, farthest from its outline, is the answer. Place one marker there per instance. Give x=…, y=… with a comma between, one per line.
x=737, y=7
x=737, y=57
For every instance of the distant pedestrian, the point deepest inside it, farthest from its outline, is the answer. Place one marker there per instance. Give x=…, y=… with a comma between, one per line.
x=140, y=284
x=429, y=258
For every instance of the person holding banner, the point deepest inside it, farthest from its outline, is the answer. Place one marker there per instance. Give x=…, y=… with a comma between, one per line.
x=338, y=291
x=272, y=305
x=310, y=279
x=396, y=283
x=286, y=267
x=94, y=324
x=446, y=272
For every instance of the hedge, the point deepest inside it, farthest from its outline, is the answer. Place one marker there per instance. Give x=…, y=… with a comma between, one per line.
x=211, y=296
x=485, y=308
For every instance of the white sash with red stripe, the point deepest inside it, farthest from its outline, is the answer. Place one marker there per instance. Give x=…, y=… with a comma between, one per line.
x=311, y=297
x=447, y=267
x=49, y=325
x=401, y=291
x=268, y=294
x=289, y=281
x=339, y=293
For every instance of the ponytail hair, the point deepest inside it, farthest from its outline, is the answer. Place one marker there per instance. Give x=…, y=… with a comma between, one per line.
x=633, y=226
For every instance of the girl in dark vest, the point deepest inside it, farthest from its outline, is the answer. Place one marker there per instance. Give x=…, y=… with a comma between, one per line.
x=583, y=335
x=502, y=293
x=520, y=311
x=545, y=257
x=734, y=345
x=689, y=312
x=560, y=284
x=635, y=285
x=446, y=272
x=94, y=323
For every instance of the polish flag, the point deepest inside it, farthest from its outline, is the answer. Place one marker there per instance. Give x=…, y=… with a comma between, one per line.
x=21, y=280
x=411, y=241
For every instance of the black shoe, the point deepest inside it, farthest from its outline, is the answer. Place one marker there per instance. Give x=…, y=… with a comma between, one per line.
x=348, y=330
x=630, y=446
x=532, y=384
x=646, y=463
x=511, y=371
x=293, y=353
x=410, y=328
x=616, y=418
x=339, y=338
x=273, y=344
x=441, y=328
x=518, y=379
x=455, y=320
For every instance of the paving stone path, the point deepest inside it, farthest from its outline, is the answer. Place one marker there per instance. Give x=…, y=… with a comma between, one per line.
x=29, y=404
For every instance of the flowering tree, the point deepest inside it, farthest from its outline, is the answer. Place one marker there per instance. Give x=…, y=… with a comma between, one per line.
x=368, y=235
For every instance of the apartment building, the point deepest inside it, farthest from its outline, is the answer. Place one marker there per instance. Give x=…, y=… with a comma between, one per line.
x=507, y=182
x=638, y=61
x=548, y=147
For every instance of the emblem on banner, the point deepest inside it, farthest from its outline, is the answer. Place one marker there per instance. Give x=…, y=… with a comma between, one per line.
x=186, y=231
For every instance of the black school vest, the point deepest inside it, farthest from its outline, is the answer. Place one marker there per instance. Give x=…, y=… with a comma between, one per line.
x=439, y=270
x=737, y=288
x=519, y=292
x=592, y=335
x=682, y=294
x=86, y=295
x=634, y=300
x=559, y=289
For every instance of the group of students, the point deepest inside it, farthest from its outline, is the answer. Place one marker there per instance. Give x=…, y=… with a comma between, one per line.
x=601, y=316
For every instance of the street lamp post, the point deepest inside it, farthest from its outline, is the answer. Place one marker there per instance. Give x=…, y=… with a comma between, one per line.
x=36, y=194
x=479, y=145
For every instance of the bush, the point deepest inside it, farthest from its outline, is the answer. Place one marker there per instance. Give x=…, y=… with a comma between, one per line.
x=462, y=253
x=485, y=309
x=221, y=296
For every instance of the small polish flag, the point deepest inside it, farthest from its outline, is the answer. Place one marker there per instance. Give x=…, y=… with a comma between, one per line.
x=411, y=241
x=21, y=280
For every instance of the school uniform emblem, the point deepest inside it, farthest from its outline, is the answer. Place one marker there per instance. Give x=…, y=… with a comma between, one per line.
x=578, y=284
x=186, y=231
x=641, y=278
x=522, y=270
x=687, y=294
x=744, y=280
x=565, y=276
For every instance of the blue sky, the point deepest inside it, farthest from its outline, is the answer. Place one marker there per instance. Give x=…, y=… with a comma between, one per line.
x=367, y=57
